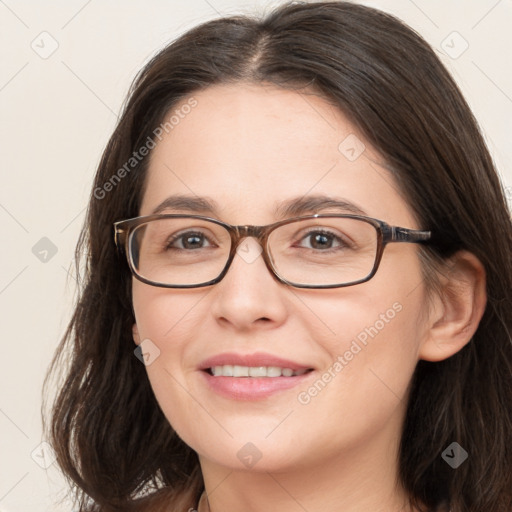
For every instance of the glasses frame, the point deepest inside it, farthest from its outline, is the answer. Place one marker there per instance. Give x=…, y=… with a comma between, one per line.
x=124, y=229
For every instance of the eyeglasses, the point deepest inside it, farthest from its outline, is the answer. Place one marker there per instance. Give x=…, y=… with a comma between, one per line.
x=313, y=251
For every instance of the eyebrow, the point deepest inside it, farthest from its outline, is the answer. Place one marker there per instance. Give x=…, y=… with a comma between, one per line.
x=293, y=207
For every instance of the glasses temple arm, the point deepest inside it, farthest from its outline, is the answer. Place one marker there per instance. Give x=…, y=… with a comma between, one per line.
x=398, y=234
x=119, y=237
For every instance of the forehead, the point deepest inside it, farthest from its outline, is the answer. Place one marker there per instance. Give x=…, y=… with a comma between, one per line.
x=250, y=147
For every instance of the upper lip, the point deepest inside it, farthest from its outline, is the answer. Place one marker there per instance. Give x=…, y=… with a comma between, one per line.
x=252, y=360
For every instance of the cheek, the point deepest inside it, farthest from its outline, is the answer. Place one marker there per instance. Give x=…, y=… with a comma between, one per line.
x=164, y=316
x=362, y=391
x=377, y=331
x=168, y=322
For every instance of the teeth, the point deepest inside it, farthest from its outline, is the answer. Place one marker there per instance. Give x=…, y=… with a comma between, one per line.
x=258, y=371
x=238, y=371
x=229, y=370
x=273, y=371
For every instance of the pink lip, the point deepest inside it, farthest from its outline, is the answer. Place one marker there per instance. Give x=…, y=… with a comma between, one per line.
x=251, y=388
x=257, y=359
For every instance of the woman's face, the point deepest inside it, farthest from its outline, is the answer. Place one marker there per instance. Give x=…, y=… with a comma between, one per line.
x=249, y=149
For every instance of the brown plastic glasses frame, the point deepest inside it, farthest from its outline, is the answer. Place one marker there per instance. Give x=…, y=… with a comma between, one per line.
x=384, y=232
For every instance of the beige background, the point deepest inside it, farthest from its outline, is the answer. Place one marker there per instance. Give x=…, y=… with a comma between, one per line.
x=57, y=111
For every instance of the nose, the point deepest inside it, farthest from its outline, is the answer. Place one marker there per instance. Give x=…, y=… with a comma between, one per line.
x=249, y=296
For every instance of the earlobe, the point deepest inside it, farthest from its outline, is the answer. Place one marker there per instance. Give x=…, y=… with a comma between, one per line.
x=457, y=309
x=136, y=336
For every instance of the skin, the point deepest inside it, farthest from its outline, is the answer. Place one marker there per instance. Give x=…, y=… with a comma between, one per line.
x=248, y=147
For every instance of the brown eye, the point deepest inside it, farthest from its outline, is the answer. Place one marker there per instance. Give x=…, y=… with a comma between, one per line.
x=188, y=240
x=322, y=240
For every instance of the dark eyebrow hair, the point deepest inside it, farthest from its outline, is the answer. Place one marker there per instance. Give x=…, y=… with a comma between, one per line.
x=314, y=204
x=293, y=207
x=192, y=204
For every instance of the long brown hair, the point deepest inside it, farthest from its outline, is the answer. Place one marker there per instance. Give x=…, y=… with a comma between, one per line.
x=110, y=436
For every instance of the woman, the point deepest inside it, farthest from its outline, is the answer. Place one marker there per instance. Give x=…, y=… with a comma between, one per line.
x=312, y=362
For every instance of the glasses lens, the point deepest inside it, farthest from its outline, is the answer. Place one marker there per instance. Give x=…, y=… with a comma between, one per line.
x=324, y=251
x=179, y=251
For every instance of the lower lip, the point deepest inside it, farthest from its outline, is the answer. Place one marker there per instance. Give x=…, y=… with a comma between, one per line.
x=252, y=388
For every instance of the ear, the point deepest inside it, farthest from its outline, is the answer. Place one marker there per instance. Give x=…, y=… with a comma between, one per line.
x=457, y=308
x=136, y=336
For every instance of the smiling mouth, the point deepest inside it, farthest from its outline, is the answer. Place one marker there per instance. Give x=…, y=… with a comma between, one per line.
x=229, y=370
